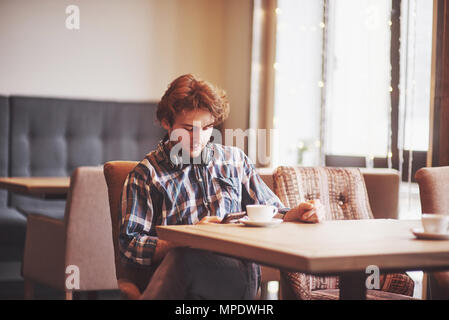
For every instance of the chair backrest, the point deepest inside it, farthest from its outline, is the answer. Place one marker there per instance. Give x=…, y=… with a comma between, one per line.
x=116, y=173
x=88, y=230
x=382, y=186
x=433, y=189
x=342, y=192
x=433, y=193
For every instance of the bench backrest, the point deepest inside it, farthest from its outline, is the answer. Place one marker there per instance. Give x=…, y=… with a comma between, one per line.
x=52, y=137
x=4, y=135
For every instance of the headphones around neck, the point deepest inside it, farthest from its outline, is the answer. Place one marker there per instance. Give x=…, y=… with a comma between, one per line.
x=176, y=160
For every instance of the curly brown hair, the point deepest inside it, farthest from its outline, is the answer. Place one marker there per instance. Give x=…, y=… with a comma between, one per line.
x=186, y=93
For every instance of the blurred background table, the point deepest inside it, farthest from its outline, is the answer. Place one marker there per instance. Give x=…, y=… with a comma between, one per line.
x=43, y=187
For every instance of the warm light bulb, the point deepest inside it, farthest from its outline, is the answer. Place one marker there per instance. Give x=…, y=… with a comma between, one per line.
x=273, y=286
x=257, y=66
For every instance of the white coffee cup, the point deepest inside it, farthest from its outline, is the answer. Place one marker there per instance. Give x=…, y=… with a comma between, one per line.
x=260, y=212
x=435, y=223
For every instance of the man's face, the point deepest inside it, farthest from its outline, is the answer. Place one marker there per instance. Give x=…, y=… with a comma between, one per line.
x=193, y=129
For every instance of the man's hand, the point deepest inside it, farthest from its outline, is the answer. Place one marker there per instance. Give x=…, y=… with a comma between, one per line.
x=209, y=220
x=310, y=211
x=163, y=246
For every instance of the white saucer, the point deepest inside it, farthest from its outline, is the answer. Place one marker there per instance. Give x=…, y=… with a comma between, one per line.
x=251, y=223
x=420, y=234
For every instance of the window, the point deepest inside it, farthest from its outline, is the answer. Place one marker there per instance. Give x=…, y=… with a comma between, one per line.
x=416, y=51
x=342, y=89
x=298, y=81
x=358, y=78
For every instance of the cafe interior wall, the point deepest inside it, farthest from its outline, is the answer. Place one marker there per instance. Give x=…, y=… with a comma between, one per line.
x=126, y=50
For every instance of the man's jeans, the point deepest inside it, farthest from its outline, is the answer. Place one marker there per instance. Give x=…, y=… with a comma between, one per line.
x=187, y=273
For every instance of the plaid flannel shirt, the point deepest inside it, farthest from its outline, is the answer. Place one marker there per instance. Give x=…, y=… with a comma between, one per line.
x=156, y=193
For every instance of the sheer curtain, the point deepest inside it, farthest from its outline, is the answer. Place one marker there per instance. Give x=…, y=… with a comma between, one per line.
x=331, y=64
x=298, y=81
x=414, y=99
x=332, y=81
x=358, y=86
x=416, y=55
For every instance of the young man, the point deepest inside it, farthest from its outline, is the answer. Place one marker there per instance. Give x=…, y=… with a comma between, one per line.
x=189, y=180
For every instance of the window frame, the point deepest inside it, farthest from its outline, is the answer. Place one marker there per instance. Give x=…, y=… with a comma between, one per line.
x=419, y=157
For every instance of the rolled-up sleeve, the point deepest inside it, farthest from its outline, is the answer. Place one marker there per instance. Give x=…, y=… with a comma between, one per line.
x=137, y=238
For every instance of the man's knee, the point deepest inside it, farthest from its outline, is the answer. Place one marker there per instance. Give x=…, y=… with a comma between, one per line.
x=180, y=257
x=176, y=256
x=186, y=253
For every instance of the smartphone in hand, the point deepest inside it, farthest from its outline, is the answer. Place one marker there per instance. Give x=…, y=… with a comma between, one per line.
x=232, y=216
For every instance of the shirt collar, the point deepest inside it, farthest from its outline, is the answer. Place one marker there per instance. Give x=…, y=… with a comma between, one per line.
x=163, y=151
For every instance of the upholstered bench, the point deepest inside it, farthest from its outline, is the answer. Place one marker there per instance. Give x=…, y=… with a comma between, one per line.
x=52, y=137
x=12, y=223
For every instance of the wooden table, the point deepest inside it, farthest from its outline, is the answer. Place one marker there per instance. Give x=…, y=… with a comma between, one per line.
x=343, y=248
x=45, y=187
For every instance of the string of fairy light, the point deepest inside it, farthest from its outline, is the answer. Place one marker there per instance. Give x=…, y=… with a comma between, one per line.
x=407, y=88
x=318, y=143
x=408, y=94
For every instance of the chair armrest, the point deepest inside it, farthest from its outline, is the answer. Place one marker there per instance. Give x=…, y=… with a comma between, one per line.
x=382, y=186
x=44, y=254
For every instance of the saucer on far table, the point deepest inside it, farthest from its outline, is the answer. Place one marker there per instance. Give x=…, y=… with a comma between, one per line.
x=420, y=234
x=269, y=223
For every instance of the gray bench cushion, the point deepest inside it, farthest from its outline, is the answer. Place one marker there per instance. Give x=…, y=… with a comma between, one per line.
x=12, y=234
x=4, y=132
x=12, y=223
x=12, y=227
x=51, y=137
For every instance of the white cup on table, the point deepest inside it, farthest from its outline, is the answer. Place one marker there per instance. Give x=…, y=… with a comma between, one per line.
x=260, y=212
x=435, y=223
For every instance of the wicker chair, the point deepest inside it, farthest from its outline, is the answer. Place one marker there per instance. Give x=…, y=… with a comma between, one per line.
x=343, y=193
